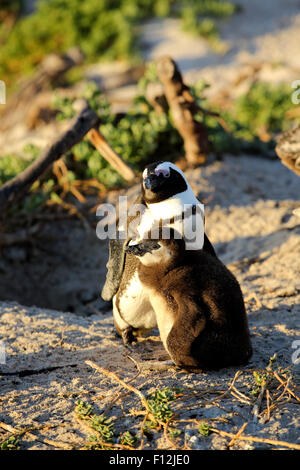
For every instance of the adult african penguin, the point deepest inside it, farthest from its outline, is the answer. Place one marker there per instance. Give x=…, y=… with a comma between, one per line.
x=198, y=304
x=165, y=194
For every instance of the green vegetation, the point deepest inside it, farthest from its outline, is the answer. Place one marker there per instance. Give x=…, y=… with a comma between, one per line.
x=142, y=136
x=204, y=429
x=12, y=443
x=128, y=439
x=262, y=378
x=104, y=30
x=159, y=405
x=264, y=108
x=104, y=428
x=106, y=437
x=198, y=18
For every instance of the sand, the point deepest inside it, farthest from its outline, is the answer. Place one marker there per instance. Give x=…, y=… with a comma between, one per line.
x=249, y=205
x=249, y=218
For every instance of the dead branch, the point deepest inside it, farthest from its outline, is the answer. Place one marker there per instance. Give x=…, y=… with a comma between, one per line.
x=28, y=430
x=156, y=97
x=288, y=149
x=79, y=128
x=183, y=108
x=110, y=155
x=238, y=434
x=50, y=71
x=120, y=381
x=255, y=439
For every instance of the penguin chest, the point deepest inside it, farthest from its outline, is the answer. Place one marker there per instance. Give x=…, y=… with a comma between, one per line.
x=132, y=306
x=164, y=315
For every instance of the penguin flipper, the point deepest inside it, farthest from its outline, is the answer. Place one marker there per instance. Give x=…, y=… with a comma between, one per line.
x=115, y=266
x=116, y=260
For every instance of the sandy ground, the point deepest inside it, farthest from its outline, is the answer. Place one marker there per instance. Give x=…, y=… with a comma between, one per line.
x=249, y=218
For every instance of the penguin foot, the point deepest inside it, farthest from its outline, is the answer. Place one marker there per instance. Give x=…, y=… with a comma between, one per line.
x=127, y=336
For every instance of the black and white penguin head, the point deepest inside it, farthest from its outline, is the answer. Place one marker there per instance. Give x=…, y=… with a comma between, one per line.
x=162, y=180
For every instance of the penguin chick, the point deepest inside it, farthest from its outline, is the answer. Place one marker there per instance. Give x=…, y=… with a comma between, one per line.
x=198, y=304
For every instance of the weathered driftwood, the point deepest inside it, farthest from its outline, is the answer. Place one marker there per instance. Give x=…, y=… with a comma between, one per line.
x=15, y=187
x=49, y=72
x=183, y=108
x=110, y=155
x=288, y=149
x=156, y=97
x=85, y=123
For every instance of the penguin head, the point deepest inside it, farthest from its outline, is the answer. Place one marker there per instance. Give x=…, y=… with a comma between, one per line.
x=162, y=180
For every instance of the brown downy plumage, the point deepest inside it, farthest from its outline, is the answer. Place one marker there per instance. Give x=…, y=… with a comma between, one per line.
x=198, y=304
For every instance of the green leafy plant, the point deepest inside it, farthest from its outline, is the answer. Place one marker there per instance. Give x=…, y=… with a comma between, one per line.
x=104, y=30
x=174, y=432
x=128, y=439
x=12, y=443
x=83, y=410
x=159, y=405
x=204, y=429
x=198, y=18
x=263, y=107
x=261, y=378
x=104, y=427
x=141, y=136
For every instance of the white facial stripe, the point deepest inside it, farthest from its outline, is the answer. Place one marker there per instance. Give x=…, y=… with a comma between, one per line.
x=166, y=166
x=162, y=171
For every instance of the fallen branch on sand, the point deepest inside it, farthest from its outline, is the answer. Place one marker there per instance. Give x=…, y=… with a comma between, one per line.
x=28, y=430
x=86, y=122
x=17, y=186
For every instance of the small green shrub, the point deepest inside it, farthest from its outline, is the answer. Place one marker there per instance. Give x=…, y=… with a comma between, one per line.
x=198, y=18
x=159, y=405
x=101, y=424
x=263, y=107
x=12, y=443
x=105, y=29
x=204, y=429
x=128, y=439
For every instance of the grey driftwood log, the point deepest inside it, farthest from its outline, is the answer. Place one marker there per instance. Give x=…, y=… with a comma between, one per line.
x=52, y=68
x=183, y=109
x=86, y=123
x=15, y=187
